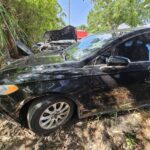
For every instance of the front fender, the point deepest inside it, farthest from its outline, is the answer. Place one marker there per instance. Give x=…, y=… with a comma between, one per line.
x=28, y=92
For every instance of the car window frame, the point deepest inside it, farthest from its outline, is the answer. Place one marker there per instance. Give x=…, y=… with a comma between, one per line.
x=113, y=46
x=126, y=39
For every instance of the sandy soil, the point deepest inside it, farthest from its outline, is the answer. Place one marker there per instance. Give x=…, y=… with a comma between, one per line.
x=127, y=131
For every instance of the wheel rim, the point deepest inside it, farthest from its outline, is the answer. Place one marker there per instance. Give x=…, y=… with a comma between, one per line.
x=54, y=115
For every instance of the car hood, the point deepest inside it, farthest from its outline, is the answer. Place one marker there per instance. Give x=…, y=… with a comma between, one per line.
x=37, y=68
x=38, y=59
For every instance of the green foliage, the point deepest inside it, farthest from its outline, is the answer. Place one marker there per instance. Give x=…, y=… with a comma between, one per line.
x=109, y=14
x=82, y=27
x=9, y=31
x=35, y=16
x=28, y=20
x=131, y=141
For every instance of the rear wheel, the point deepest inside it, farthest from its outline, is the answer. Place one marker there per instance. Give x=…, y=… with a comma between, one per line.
x=47, y=114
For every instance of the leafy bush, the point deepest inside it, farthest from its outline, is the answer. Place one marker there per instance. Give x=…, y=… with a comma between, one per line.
x=27, y=20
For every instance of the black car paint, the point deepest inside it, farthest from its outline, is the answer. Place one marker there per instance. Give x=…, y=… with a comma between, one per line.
x=83, y=82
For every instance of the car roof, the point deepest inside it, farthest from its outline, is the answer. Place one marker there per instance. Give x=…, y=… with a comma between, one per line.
x=130, y=31
x=125, y=33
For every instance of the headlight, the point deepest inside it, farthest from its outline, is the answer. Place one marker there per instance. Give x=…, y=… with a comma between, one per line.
x=8, y=89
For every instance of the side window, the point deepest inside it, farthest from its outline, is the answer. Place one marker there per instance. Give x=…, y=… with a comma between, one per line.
x=136, y=49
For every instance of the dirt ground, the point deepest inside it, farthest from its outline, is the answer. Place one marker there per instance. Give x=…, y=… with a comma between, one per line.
x=126, y=131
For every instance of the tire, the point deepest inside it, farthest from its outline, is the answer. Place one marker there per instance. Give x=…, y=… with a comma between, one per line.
x=49, y=113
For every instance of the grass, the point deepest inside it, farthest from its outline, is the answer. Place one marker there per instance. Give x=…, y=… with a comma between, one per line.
x=130, y=141
x=130, y=131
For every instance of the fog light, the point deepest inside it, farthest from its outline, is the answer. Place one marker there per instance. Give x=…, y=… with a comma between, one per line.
x=8, y=89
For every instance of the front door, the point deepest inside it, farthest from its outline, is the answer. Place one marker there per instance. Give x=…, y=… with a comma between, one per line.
x=134, y=90
x=123, y=87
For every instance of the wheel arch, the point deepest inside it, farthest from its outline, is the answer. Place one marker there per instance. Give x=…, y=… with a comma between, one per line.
x=24, y=108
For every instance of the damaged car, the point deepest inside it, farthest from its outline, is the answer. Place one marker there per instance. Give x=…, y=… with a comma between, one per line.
x=54, y=40
x=57, y=39
x=43, y=91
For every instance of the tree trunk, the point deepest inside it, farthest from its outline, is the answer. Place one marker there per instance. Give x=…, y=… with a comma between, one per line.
x=11, y=44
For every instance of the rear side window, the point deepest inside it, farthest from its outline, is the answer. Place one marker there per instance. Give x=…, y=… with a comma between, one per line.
x=136, y=49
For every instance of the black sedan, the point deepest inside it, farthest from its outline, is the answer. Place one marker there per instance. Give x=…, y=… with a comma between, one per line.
x=44, y=90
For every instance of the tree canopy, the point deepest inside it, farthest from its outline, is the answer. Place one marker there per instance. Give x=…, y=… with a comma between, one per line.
x=27, y=20
x=109, y=14
x=82, y=27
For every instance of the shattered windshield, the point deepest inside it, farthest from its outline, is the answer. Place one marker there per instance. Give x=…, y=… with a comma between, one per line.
x=87, y=46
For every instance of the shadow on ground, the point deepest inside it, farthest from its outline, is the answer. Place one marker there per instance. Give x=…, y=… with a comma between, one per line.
x=123, y=131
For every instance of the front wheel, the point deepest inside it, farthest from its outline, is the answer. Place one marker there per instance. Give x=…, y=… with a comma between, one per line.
x=47, y=114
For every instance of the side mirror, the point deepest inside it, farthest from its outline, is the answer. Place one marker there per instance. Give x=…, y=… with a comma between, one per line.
x=117, y=61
